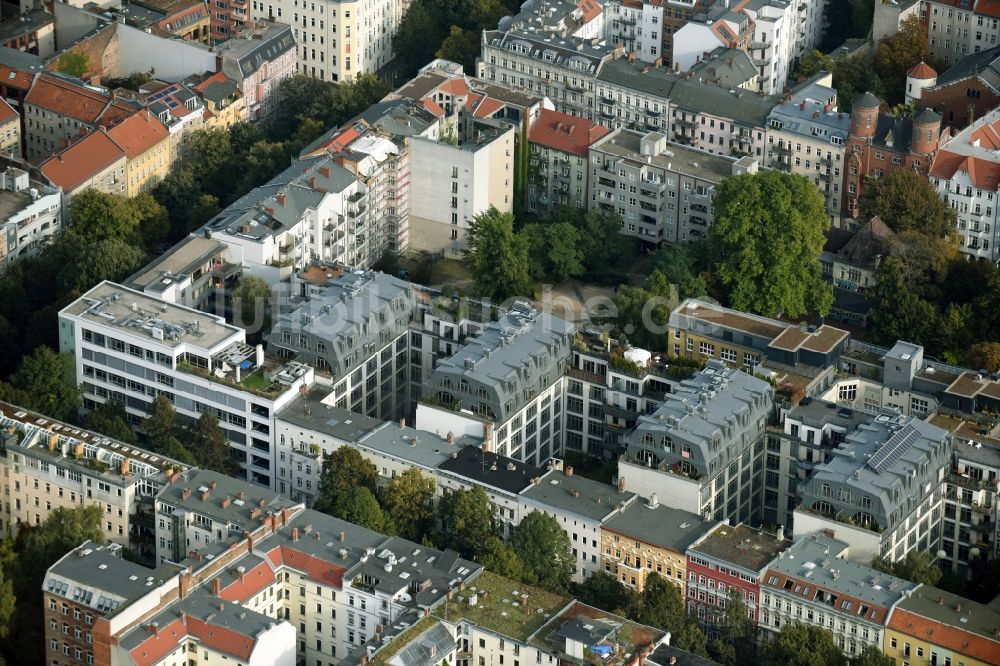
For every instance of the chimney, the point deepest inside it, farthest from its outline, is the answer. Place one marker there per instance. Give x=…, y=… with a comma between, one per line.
x=250, y=543
x=325, y=171
x=183, y=584
x=153, y=628
x=569, y=471
x=225, y=502
x=341, y=536
x=261, y=502
x=312, y=182
x=487, y=435
x=216, y=587
x=402, y=422
x=213, y=485
x=281, y=199
x=185, y=493
x=284, y=516
x=451, y=437
x=242, y=496
x=204, y=495
x=295, y=534
x=621, y=485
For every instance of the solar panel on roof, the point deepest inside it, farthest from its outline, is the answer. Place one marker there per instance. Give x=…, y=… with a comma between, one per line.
x=890, y=452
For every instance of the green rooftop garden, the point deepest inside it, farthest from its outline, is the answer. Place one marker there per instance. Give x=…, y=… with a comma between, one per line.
x=503, y=605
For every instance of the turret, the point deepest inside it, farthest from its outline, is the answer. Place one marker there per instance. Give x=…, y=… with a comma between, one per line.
x=926, y=130
x=918, y=77
x=864, y=115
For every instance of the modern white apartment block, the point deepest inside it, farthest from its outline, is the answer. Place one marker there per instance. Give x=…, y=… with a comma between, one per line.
x=452, y=181
x=880, y=490
x=703, y=447
x=955, y=30
x=186, y=274
x=47, y=465
x=337, y=40
x=662, y=191
x=964, y=172
x=30, y=213
x=131, y=348
x=772, y=44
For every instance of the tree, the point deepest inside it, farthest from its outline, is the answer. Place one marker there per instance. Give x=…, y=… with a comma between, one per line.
x=504, y=561
x=642, y=311
x=846, y=19
x=101, y=216
x=661, y=604
x=767, y=238
x=62, y=531
x=409, y=501
x=211, y=160
x=161, y=424
x=734, y=643
x=358, y=505
x=872, y=656
x=691, y=638
x=461, y=46
x=46, y=382
x=73, y=64
x=209, y=446
x=545, y=549
x=343, y=469
x=897, y=311
x=88, y=263
x=8, y=602
x=906, y=200
x=466, y=521
x=896, y=54
x=678, y=263
x=109, y=418
x=601, y=590
x=564, y=255
x=917, y=567
x=496, y=256
x=985, y=356
x=602, y=243
x=802, y=645
x=252, y=298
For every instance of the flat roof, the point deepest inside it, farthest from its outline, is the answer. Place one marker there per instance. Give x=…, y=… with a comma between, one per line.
x=953, y=612
x=205, y=492
x=114, y=307
x=660, y=525
x=577, y=494
x=742, y=546
x=731, y=319
x=579, y=621
x=182, y=259
x=310, y=412
x=675, y=158
x=491, y=469
x=822, y=340
x=819, y=413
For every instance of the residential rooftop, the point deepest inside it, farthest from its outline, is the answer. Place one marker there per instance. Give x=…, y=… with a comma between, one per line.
x=114, y=308
x=580, y=623
x=492, y=470
x=817, y=413
x=659, y=525
x=242, y=57
x=675, y=158
x=577, y=494
x=954, y=623
x=180, y=261
x=717, y=315
x=742, y=546
x=310, y=412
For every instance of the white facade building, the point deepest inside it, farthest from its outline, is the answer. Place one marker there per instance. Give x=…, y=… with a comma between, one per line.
x=30, y=213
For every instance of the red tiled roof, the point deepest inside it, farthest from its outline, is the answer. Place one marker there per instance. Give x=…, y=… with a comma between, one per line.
x=218, y=77
x=589, y=9
x=922, y=71
x=221, y=639
x=7, y=112
x=565, y=133
x=433, y=107
x=455, y=86
x=951, y=638
x=250, y=583
x=315, y=568
x=988, y=135
x=984, y=174
x=485, y=107
x=159, y=645
x=139, y=133
x=68, y=99
x=989, y=8
x=16, y=78
x=88, y=156
x=342, y=139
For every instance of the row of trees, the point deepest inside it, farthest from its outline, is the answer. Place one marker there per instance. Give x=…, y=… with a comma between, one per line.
x=204, y=442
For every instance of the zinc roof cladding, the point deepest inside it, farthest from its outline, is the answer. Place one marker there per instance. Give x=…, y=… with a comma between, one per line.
x=729, y=68
x=676, y=158
x=186, y=493
x=952, y=622
x=814, y=563
x=739, y=105
x=577, y=494
x=242, y=57
x=741, y=546
x=813, y=117
x=661, y=526
x=491, y=469
x=560, y=51
x=310, y=412
x=974, y=64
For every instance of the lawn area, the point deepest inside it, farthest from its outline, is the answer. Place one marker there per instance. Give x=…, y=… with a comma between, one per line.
x=255, y=381
x=510, y=608
x=450, y=272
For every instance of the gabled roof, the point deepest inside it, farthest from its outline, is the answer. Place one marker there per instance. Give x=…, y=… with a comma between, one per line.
x=7, y=112
x=88, y=156
x=565, y=133
x=313, y=567
x=973, y=151
x=68, y=97
x=138, y=134
x=974, y=64
x=870, y=241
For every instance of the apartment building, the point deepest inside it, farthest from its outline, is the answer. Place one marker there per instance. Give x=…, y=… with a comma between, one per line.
x=222, y=99
x=880, y=144
x=59, y=108
x=930, y=627
x=806, y=135
x=854, y=266
x=646, y=537
x=95, y=161
x=181, y=111
x=146, y=144
x=508, y=379
x=727, y=561
x=48, y=465
x=558, y=175
x=132, y=347
x=703, y=447
x=355, y=333
x=337, y=41
x=582, y=508
x=964, y=173
x=880, y=490
x=186, y=274
x=721, y=23
x=967, y=90
x=958, y=29
x=717, y=120
x=532, y=61
x=813, y=583
x=259, y=59
x=10, y=130
x=473, y=174
x=662, y=191
x=566, y=18
x=30, y=213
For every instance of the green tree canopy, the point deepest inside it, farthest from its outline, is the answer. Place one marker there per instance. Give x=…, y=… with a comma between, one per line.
x=466, y=521
x=109, y=418
x=898, y=312
x=896, y=54
x=734, y=642
x=872, y=656
x=161, y=424
x=545, y=549
x=342, y=470
x=409, y=502
x=767, y=238
x=601, y=590
x=643, y=312
x=73, y=64
x=985, y=356
x=503, y=560
x=917, y=567
x=802, y=645
x=252, y=297
x=461, y=46
x=46, y=383
x=905, y=200
x=661, y=604
x=208, y=444
x=99, y=216
x=358, y=505
x=496, y=256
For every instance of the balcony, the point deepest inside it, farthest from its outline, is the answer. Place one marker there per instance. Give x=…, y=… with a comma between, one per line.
x=684, y=122
x=782, y=148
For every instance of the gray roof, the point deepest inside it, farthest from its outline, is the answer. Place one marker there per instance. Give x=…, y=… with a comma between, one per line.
x=565, y=52
x=927, y=116
x=817, y=413
x=21, y=60
x=985, y=65
x=398, y=118
x=589, y=632
x=866, y=101
x=189, y=489
x=576, y=494
x=659, y=525
x=426, y=649
x=729, y=68
x=741, y=546
x=664, y=653
x=24, y=23
x=621, y=73
x=491, y=470
x=806, y=113
x=242, y=56
x=709, y=415
x=97, y=577
x=742, y=106
x=181, y=260
x=676, y=158
x=523, y=352
x=310, y=412
x=419, y=447
x=817, y=558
